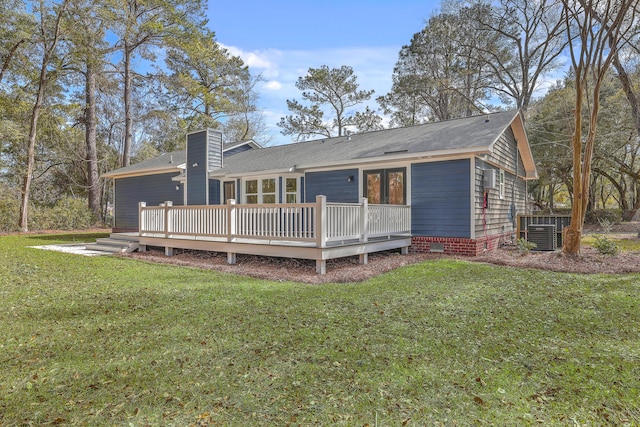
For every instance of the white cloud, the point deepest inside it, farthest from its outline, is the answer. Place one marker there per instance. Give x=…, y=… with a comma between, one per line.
x=372, y=65
x=273, y=85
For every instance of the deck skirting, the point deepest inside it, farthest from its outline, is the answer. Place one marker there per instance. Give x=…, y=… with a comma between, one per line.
x=281, y=249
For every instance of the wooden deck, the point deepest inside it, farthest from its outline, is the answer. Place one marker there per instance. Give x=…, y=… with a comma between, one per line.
x=318, y=231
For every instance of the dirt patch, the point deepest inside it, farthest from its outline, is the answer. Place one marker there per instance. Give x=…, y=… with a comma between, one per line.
x=348, y=270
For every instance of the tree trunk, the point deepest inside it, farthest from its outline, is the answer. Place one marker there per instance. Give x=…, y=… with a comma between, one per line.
x=128, y=123
x=31, y=151
x=35, y=115
x=90, y=140
x=573, y=233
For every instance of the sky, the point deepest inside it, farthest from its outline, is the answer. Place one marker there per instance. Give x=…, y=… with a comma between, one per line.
x=282, y=39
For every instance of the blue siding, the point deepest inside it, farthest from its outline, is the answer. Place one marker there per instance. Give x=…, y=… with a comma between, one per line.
x=334, y=185
x=152, y=189
x=302, y=190
x=237, y=150
x=440, y=199
x=197, y=179
x=214, y=192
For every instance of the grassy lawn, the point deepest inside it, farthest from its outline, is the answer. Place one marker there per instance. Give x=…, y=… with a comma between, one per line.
x=114, y=341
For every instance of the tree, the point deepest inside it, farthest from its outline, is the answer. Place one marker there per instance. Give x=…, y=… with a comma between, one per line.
x=596, y=31
x=211, y=87
x=332, y=91
x=531, y=36
x=142, y=24
x=87, y=28
x=50, y=34
x=439, y=76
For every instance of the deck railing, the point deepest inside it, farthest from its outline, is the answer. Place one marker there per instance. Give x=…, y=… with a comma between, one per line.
x=317, y=223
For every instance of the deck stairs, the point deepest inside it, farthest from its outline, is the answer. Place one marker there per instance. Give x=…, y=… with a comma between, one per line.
x=115, y=243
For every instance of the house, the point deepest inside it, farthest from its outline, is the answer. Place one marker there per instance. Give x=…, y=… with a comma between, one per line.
x=461, y=182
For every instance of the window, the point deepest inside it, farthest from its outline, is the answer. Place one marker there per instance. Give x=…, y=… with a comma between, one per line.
x=501, y=184
x=385, y=186
x=291, y=190
x=260, y=191
x=251, y=191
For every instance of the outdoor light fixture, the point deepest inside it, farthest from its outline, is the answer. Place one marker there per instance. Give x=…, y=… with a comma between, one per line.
x=350, y=178
x=178, y=187
x=195, y=165
x=293, y=168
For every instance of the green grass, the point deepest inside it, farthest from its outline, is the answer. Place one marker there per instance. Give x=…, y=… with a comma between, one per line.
x=623, y=241
x=115, y=341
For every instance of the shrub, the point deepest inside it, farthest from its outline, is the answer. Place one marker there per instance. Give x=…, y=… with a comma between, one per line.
x=9, y=213
x=524, y=246
x=613, y=216
x=606, y=246
x=69, y=213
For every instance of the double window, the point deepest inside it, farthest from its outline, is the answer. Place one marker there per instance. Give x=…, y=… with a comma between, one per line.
x=260, y=190
x=385, y=186
x=265, y=190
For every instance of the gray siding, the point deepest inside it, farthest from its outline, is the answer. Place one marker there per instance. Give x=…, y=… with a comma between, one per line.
x=505, y=152
x=152, y=189
x=499, y=215
x=332, y=184
x=214, y=192
x=214, y=149
x=197, y=179
x=441, y=199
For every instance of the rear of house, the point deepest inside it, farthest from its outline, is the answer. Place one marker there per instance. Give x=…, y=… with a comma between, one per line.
x=465, y=179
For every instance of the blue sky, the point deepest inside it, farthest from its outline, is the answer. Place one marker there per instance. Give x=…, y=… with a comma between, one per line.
x=282, y=39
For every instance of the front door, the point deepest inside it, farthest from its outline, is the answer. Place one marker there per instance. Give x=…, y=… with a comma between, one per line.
x=229, y=190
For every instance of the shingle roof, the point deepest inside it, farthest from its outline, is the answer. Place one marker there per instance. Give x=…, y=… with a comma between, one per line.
x=164, y=162
x=465, y=135
x=468, y=134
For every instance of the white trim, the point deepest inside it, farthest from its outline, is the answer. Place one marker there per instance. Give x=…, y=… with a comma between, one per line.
x=472, y=197
x=259, y=194
x=284, y=187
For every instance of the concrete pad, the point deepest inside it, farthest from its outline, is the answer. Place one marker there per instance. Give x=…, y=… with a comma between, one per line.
x=72, y=248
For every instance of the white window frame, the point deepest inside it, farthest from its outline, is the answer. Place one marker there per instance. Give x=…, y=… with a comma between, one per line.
x=260, y=195
x=285, y=193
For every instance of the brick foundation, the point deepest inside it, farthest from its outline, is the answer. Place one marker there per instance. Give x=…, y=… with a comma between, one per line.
x=458, y=245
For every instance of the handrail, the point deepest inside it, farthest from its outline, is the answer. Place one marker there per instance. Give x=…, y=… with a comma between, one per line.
x=320, y=222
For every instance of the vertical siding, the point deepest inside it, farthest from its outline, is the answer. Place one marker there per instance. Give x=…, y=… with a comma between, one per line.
x=197, y=179
x=152, y=189
x=214, y=149
x=332, y=184
x=498, y=216
x=214, y=192
x=441, y=199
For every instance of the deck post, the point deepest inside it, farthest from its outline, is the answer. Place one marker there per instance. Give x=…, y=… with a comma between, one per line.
x=231, y=258
x=141, y=206
x=321, y=266
x=167, y=206
x=404, y=250
x=168, y=251
x=364, y=221
x=363, y=259
x=321, y=223
x=231, y=221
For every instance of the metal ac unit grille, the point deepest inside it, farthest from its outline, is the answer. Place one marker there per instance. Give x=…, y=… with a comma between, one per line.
x=543, y=235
